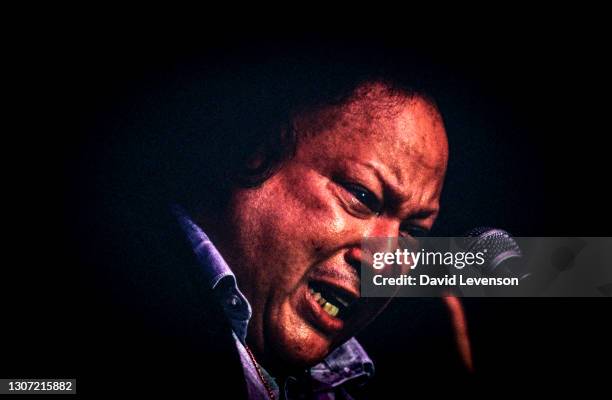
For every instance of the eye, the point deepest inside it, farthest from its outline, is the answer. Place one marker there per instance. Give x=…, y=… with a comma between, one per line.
x=415, y=231
x=365, y=196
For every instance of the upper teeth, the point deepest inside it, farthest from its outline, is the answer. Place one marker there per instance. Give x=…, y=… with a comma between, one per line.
x=327, y=306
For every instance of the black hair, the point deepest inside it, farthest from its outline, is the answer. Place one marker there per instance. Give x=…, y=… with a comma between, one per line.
x=204, y=122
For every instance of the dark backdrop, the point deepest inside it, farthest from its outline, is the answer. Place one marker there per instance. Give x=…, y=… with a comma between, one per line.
x=527, y=121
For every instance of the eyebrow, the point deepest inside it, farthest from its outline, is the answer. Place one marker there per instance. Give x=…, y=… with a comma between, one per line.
x=391, y=191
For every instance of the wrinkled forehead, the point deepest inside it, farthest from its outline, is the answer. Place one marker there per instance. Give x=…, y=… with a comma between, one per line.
x=397, y=130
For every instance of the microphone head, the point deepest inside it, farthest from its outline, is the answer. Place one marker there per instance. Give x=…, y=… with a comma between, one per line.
x=497, y=246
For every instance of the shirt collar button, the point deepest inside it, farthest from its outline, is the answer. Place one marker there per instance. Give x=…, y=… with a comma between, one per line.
x=233, y=301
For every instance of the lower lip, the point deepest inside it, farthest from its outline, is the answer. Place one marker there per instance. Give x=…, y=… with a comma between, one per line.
x=314, y=313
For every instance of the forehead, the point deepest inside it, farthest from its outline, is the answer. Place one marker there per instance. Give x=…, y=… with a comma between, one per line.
x=396, y=133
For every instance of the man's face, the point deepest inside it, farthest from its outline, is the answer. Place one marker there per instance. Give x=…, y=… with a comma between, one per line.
x=371, y=167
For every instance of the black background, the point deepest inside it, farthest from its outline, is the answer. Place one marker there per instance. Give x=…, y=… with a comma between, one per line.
x=528, y=125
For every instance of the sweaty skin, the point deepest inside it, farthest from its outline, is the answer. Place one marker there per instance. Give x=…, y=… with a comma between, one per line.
x=373, y=166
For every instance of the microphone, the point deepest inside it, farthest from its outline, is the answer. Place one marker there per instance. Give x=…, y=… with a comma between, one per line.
x=543, y=271
x=502, y=254
x=504, y=258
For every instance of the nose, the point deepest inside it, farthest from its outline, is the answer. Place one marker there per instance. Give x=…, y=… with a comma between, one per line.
x=385, y=227
x=355, y=257
x=380, y=235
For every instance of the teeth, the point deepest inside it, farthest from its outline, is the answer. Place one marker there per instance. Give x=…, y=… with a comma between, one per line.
x=331, y=309
x=321, y=300
x=327, y=306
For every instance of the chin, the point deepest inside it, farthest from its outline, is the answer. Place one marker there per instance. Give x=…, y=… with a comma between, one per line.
x=303, y=353
x=296, y=343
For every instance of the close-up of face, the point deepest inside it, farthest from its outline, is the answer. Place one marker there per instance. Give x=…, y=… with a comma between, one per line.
x=371, y=167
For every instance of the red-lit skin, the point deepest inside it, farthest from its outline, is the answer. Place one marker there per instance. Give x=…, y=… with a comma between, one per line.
x=302, y=224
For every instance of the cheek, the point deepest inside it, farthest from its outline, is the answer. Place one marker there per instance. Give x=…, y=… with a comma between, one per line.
x=291, y=223
x=318, y=223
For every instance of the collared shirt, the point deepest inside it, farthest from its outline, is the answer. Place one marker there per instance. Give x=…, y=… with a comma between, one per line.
x=347, y=363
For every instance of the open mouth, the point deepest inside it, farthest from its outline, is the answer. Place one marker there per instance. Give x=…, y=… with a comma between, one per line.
x=333, y=300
